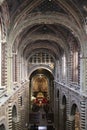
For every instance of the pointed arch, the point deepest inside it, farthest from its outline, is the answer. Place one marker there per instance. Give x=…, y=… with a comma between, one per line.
x=64, y=115
x=76, y=117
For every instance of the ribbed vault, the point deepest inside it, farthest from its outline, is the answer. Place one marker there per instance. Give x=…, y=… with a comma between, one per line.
x=44, y=47
x=45, y=24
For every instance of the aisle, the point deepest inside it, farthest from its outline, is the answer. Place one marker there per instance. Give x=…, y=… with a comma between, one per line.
x=44, y=123
x=42, y=118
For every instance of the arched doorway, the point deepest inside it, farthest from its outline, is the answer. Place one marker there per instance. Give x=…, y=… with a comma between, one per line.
x=76, y=117
x=2, y=127
x=41, y=86
x=14, y=117
x=64, y=113
x=41, y=89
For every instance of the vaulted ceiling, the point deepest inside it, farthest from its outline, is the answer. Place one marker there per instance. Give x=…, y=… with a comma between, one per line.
x=46, y=24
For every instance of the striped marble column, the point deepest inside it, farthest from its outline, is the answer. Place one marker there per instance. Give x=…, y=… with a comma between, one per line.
x=70, y=122
x=61, y=123
x=83, y=115
x=10, y=114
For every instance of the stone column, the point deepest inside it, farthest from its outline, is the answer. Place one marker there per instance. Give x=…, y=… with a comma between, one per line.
x=62, y=107
x=22, y=68
x=60, y=71
x=70, y=122
x=83, y=115
x=54, y=102
x=29, y=95
x=18, y=68
x=9, y=114
x=19, y=108
x=67, y=114
x=56, y=71
x=83, y=74
x=58, y=118
x=0, y=55
x=69, y=63
x=25, y=69
x=9, y=71
x=3, y=62
x=52, y=87
x=55, y=106
x=77, y=121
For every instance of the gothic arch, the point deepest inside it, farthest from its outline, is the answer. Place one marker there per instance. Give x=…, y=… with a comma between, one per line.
x=56, y=40
x=36, y=67
x=64, y=115
x=74, y=109
x=58, y=19
x=75, y=104
x=76, y=117
x=14, y=117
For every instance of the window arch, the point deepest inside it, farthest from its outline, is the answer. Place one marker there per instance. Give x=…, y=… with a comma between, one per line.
x=14, y=113
x=14, y=117
x=41, y=57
